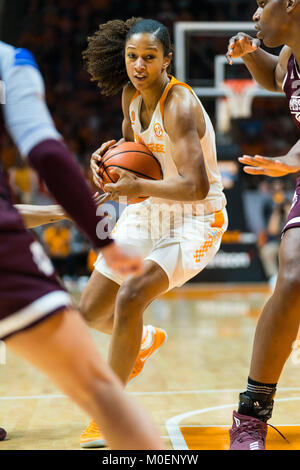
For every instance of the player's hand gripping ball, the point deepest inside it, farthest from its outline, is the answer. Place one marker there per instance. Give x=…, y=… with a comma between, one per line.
x=137, y=161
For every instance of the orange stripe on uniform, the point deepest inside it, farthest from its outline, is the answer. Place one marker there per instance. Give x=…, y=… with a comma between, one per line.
x=136, y=94
x=173, y=82
x=219, y=220
x=218, y=224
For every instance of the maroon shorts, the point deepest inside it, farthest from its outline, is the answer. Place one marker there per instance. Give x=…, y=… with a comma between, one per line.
x=293, y=219
x=29, y=287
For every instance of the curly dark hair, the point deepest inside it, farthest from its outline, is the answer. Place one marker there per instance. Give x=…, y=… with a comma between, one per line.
x=105, y=56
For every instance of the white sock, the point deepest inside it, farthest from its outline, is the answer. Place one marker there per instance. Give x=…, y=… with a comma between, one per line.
x=148, y=336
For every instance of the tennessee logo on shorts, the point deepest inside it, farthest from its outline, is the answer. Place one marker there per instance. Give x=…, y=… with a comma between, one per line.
x=158, y=130
x=132, y=116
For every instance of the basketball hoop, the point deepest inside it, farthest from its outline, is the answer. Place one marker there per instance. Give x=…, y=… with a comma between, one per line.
x=237, y=102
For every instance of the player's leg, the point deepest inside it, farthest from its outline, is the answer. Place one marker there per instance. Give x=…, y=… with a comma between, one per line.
x=61, y=347
x=104, y=284
x=134, y=296
x=98, y=299
x=276, y=331
x=97, y=302
x=164, y=269
x=97, y=306
x=278, y=324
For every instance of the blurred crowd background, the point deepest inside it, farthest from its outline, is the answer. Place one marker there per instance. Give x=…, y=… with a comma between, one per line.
x=56, y=32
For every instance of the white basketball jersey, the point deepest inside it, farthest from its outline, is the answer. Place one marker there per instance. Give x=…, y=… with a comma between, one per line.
x=158, y=142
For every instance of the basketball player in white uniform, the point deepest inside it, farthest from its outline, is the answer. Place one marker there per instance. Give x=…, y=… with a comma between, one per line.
x=179, y=228
x=168, y=118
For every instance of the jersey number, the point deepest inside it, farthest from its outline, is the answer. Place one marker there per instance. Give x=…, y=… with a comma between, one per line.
x=296, y=84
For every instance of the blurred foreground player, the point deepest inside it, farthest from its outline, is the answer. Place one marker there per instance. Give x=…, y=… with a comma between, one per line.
x=37, y=319
x=277, y=23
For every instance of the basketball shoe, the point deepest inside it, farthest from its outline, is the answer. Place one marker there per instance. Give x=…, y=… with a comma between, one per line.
x=250, y=432
x=152, y=341
x=247, y=433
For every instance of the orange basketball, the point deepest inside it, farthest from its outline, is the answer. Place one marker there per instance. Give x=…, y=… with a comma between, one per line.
x=133, y=157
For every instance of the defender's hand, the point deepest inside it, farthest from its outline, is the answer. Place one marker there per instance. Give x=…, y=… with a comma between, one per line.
x=240, y=45
x=274, y=167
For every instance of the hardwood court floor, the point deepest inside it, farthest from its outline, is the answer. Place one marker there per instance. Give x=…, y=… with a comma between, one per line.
x=189, y=388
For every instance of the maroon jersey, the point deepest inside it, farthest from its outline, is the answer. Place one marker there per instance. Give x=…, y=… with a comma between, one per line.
x=4, y=191
x=29, y=288
x=291, y=88
x=4, y=188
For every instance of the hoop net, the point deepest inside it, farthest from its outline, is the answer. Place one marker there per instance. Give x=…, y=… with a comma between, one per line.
x=237, y=103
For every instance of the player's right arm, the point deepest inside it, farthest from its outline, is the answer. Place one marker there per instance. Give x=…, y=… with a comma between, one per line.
x=128, y=92
x=267, y=69
x=127, y=133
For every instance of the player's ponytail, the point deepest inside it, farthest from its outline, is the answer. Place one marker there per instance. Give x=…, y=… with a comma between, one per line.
x=106, y=48
x=105, y=55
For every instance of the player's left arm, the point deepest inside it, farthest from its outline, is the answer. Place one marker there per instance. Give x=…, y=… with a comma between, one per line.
x=34, y=215
x=274, y=166
x=185, y=125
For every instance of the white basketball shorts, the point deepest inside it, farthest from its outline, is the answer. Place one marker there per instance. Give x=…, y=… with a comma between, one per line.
x=182, y=244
